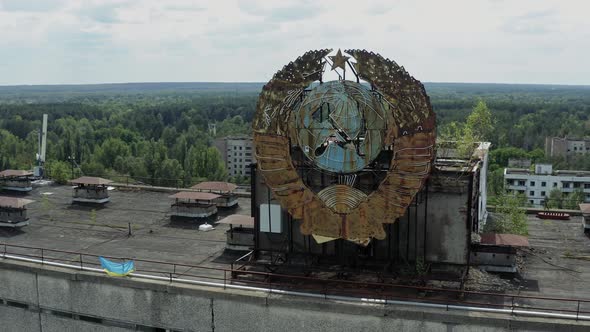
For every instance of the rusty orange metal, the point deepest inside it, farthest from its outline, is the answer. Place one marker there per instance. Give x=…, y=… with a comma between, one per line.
x=336, y=129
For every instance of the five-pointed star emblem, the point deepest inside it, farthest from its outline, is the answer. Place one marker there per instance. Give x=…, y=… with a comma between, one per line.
x=339, y=60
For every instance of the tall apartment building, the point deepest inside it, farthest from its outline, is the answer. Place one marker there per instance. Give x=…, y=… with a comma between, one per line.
x=537, y=185
x=562, y=147
x=237, y=153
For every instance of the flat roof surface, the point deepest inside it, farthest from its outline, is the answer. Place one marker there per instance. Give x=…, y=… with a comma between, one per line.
x=505, y=240
x=192, y=195
x=56, y=223
x=554, y=265
x=238, y=219
x=14, y=202
x=14, y=173
x=585, y=207
x=90, y=180
x=215, y=186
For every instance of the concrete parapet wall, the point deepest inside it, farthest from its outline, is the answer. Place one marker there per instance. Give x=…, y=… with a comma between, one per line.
x=40, y=298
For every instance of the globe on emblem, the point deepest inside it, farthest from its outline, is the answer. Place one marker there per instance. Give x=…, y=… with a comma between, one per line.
x=340, y=126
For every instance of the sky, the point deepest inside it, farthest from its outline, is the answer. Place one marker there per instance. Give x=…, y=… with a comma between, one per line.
x=116, y=41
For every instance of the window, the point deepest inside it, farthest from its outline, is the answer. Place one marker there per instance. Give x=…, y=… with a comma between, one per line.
x=521, y=182
x=577, y=184
x=248, y=154
x=532, y=193
x=532, y=183
x=543, y=184
x=240, y=154
x=235, y=147
x=586, y=185
x=248, y=148
x=240, y=148
x=248, y=160
x=543, y=193
x=521, y=191
x=554, y=184
x=566, y=184
x=532, y=202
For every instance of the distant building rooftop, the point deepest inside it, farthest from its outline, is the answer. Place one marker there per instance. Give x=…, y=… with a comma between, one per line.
x=507, y=240
x=556, y=172
x=89, y=180
x=238, y=219
x=217, y=186
x=195, y=196
x=14, y=202
x=9, y=173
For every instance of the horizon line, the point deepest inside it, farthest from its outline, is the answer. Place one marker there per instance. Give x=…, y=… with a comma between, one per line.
x=261, y=82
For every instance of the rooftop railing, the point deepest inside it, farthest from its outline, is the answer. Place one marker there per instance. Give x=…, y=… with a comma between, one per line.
x=237, y=276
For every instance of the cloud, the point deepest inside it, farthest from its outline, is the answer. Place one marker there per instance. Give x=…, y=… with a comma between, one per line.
x=379, y=9
x=533, y=23
x=30, y=5
x=284, y=12
x=92, y=41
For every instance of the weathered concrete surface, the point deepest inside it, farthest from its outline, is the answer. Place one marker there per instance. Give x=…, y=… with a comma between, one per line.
x=52, y=323
x=130, y=302
x=18, y=285
x=447, y=228
x=17, y=319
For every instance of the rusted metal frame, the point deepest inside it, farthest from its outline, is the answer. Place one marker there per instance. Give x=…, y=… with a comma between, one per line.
x=416, y=228
x=353, y=71
x=269, y=216
x=389, y=242
x=468, y=225
x=398, y=240
x=408, y=218
x=253, y=208
x=425, y=219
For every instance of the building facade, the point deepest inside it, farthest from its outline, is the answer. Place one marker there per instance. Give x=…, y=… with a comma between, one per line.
x=563, y=147
x=436, y=228
x=537, y=185
x=237, y=153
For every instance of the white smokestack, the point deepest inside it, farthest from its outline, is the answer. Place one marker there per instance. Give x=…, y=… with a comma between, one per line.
x=43, y=139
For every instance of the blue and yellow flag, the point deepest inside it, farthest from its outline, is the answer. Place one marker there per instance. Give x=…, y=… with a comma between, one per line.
x=117, y=269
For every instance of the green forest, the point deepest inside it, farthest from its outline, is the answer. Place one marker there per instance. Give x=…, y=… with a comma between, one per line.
x=157, y=133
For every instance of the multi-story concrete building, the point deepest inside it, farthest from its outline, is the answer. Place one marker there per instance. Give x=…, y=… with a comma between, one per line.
x=537, y=185
x=237, y=153
x=562, y=147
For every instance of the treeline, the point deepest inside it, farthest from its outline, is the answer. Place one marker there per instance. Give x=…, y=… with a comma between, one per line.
x=524, y=114
x=160, y=131
x=153, y=140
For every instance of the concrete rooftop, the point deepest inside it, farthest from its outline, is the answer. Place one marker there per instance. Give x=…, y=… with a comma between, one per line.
x=57, y=224
x=557, y=264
